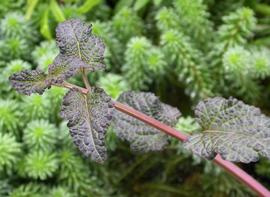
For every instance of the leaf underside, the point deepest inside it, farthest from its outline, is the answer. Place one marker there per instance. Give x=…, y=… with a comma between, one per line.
x=29, y=81
x=88, y=118
x=143, y=137
x=238, y=132
x=74, y=38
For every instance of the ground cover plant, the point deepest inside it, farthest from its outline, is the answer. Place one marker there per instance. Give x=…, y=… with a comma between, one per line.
x=148, y=49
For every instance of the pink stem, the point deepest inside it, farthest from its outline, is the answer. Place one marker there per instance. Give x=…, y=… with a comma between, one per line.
x=233, y=169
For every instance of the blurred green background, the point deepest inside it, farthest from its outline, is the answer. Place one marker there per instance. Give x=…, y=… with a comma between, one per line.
x=182, y=50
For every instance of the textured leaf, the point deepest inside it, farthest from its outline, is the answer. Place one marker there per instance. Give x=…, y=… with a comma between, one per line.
x=29, y=81
x=88, y=118
x=75, y=38
x=238, y=132
x=143, y=137
x=64, y=67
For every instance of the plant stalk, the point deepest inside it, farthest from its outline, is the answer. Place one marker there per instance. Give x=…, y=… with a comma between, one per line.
x=85, y=80
x=262, y=8
x=74, y=87
x=231, y=168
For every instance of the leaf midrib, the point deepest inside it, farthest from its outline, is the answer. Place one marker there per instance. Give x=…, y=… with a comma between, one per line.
x=88, y=123
x=77, y=41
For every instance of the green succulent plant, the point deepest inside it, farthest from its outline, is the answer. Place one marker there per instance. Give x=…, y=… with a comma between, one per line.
x=10, y=116
x=14, y=48
x=126, y=24
x=143, y=61
x=180, y=50
x=36, y=107
x=5, y=188
x=10, y=5
x=55, y=95
x=39, y=165
x=11, y=68
x=166, y=19
x=113, y=50
x=113, y=84
x=40, y=135
x=44, y=54
x=260, y=63
x=187, y=124
x=188, y=67
x=72, y=173
x=60, y=192
x=10, y=150
x=14, y=24
x=28, y=190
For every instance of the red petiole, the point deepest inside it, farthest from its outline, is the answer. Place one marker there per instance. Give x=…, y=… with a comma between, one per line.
x=231, y=168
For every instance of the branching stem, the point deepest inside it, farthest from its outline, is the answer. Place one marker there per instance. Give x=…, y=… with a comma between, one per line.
x=231, y=168
x=74, y=87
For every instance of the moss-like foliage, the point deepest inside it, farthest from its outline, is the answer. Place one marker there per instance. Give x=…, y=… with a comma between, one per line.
x=39, y=165
x=44, y=54
x=113, y=84
x=40, y=135
x=36, y=106
x=187, y=124
x=10, y=151
x=181, y=50
x=143, y=61
x=9, y=116
x=14, y=24
x=11, y=68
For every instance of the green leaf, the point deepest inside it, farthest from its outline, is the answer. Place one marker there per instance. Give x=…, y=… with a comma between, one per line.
x=123, y=4
x=29, y=81
x=157, y=2
x=30, y=6
x=75, y=38
x=139, y=4
x=88, y=118
x=44, y=25
x=143, y=137
x=88, y=6
x=56, y=11
x=238, y=132
x=64, y=67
